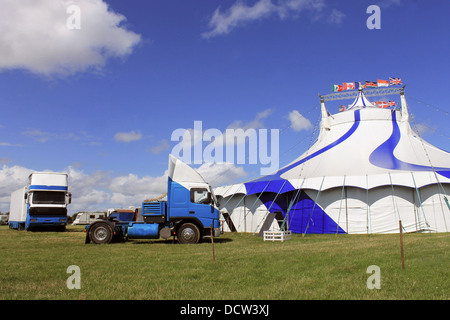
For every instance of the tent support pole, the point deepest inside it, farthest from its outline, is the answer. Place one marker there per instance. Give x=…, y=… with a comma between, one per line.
x=420, y=201
x=237, y=205
x=291, y=203
x=312, y=211
x=286, y=217
x=340, y=206
x=268, y=210
x=254, y=203
x=224, y=206
x=346, y=209
x=393, y=198
x=401, y=243
x=367, y=200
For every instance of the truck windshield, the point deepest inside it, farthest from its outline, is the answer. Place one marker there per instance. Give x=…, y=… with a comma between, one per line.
x=49, y=197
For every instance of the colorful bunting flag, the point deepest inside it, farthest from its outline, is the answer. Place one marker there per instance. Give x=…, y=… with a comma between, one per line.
x=395, y=81
x=349, y=85
x=384, y=104
x=382, y=83
x=381, y=104
x=368, y=84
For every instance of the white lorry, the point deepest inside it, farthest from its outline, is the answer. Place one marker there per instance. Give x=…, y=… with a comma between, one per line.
x=42, y=203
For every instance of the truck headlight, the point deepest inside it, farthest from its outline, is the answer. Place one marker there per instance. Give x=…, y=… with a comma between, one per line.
x=33, y=220
x=62, y=220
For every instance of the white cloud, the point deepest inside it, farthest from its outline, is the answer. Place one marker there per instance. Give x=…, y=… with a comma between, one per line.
x=388, y=3
x=131, y=184
x=336, y=16
x=11, y=179
x=217, y=174
x=256, y=123
x=240, y=13
x=127, y=136
x=87, y=190
x=5, y=160
x=93, y=201
x=162, y=146
x=7, y=144
x=35, y=36
x=298, y=121
x=44, y=136
x=188, y=138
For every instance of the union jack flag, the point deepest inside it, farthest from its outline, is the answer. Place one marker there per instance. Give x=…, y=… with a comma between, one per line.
x=395, y=81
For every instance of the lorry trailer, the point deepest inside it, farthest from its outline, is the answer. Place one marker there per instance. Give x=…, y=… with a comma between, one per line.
x=190, y=213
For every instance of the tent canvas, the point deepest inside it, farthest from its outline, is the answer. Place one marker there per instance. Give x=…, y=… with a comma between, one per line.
x=367, y=170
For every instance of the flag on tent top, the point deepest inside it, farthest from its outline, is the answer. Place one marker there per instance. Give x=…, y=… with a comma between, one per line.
x=349, y=85
x=381, y=104
x=344, y=86
x=382, y=83
x=338, y=87
x=395, y=81
x=385, y=104
x=368, y=84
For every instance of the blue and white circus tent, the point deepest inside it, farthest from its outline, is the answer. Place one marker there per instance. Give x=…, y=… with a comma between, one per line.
x=367, y=171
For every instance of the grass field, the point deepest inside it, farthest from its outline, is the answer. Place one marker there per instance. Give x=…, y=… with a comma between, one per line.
x=34, y=266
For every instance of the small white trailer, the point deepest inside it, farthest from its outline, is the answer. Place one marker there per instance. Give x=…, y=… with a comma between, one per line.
x=4, y=219
x=88, y=217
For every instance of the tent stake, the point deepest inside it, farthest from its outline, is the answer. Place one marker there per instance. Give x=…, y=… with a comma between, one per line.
x=401, y=243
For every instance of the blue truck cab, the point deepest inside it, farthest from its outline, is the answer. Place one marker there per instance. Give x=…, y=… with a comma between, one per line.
x=189, y=214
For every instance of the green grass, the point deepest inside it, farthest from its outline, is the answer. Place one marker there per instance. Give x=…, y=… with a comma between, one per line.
x=33, y=266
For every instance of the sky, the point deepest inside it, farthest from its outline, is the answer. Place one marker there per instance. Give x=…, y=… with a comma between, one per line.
x=97, y=88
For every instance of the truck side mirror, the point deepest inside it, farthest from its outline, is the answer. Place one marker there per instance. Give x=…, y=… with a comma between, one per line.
x=70, y=197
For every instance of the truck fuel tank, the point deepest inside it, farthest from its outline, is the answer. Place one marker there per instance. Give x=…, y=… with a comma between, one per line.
x=143, y=231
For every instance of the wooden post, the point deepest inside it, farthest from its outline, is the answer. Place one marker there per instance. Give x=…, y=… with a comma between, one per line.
x=401, y=243
x=212, y=244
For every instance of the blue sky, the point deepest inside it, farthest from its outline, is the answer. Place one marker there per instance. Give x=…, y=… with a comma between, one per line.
x=102, y=103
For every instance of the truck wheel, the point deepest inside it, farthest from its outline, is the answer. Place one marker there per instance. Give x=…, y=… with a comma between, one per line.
x=101, y=232
x=188, y=233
